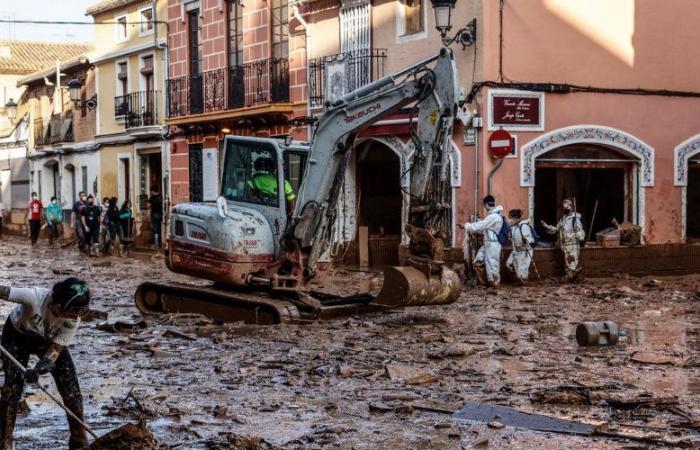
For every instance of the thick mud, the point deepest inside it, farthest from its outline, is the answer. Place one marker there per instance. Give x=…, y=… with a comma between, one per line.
x=376, y=381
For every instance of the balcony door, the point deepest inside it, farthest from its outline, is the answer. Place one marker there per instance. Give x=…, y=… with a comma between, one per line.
x=195, y=66
x=236, y=89
x=356, y=43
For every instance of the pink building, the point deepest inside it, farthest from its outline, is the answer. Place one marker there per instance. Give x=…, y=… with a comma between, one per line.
x=600, y=98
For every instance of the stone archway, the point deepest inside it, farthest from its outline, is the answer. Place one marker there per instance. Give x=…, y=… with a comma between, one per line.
x=682, y=155
x=590, y=134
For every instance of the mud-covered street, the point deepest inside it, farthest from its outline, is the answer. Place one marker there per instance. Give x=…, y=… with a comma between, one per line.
x=376, y=381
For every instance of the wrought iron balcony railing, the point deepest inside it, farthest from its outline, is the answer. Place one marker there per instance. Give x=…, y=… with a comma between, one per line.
x=59, y=128
x=255, y=83
x=138, y=109
x=333, y=76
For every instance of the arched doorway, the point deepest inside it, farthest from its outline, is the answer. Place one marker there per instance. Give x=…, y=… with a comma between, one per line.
x=380, y=202
x=602, y=181
x=686, y=174
x=617, y=157
x=70, y=194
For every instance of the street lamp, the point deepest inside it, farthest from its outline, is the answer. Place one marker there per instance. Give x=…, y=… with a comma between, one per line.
x=74, y=88
x=443, y=23
x=11, y=110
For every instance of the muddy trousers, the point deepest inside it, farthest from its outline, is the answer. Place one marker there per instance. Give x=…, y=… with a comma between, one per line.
x=34, y=229
x=21, y=346
x=571, y=252
x=80, y=233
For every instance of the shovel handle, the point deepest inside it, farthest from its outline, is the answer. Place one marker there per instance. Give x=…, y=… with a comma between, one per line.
x=51, y=396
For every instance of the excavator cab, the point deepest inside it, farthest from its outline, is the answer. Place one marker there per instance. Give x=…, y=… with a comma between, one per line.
x=240, y=235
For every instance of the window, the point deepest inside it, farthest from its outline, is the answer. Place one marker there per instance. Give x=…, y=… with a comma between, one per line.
x=294, y=165
x=146, y=19
x=122, y=78
x=122, y=32
x=413, y=16
x=250, y=174
x=280, y=28
x=235, y=33
x=83, y=171
x=194, y=41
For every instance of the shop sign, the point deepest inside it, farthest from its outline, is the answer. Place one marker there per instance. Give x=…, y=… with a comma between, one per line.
x=516, y=110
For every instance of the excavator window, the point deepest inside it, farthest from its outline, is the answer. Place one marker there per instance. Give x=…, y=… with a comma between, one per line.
x=250, y=174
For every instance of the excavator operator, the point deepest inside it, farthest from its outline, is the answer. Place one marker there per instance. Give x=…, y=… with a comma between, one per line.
x=264, y=183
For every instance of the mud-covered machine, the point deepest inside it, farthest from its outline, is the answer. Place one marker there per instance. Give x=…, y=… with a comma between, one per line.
x=262, y=249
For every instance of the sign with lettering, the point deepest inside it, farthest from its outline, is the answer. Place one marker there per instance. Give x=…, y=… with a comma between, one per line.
x=516, y=110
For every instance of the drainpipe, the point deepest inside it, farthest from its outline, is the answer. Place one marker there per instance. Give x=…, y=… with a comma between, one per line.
x=492, y=173
x=307, y=32
x=476, y=167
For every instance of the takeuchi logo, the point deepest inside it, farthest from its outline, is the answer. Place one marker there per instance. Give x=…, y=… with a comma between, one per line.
x=364, y=112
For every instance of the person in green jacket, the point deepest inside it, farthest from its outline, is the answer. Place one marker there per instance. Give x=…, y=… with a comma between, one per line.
x=54, y=219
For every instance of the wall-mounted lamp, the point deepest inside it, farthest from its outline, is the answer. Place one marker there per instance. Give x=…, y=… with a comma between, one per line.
x=443, y=23
x=11, y=110
x=74, y=87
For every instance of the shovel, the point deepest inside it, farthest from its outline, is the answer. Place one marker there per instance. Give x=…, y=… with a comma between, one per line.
x=136, y=434
x=51, y=396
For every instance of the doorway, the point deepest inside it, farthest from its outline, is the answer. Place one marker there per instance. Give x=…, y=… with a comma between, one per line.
x=380, y=202
x=196, y=173
x=692, y=214
x=150, y=176
x=601, y=180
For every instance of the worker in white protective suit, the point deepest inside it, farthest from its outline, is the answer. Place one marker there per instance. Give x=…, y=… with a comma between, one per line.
x=487, y=263
x=571, y=234
x=522, y=238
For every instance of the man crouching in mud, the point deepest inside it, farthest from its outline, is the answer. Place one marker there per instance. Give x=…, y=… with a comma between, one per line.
x=43, y=324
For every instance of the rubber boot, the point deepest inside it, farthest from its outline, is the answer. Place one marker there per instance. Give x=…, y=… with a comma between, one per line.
x=480, y=271
x=8, y=417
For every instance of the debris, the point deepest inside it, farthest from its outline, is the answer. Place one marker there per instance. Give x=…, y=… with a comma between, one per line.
x=624, y=402
x=480, y=443
x=424, y=378
x=23, y=407
x=127, y=437
x=410, y=375
x=653, y=283
x=456, y=350
x=495, y=425
x=220, y=411
x=485, y=413
x=645, y=357
x=121, y=326
x=395, y=407
x=94, y=314
x=178, y=334
x=597, y=333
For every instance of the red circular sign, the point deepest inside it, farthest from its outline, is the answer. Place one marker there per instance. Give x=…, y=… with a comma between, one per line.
x=500, y=144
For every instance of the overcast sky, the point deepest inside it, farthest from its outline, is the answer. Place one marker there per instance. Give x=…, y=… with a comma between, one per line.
x=53, y=10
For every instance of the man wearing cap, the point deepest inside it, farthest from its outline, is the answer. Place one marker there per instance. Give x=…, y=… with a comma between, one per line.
x=571, y=234
x=487, y=262
x=43, y=323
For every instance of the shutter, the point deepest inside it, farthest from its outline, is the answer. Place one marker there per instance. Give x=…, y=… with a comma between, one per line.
x=356, y=42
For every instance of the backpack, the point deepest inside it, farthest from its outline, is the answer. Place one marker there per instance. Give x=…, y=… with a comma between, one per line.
x=535, y=236
x=504, y=233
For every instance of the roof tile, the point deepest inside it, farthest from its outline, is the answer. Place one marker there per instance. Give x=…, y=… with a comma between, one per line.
x=25, y=57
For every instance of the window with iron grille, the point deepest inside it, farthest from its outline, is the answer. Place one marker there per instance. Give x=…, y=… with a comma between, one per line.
x=280, y=28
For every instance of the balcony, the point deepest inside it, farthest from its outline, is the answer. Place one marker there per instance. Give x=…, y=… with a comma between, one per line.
x=255, y=83
x=59, y=129
x=138, y=109
x=331, y=77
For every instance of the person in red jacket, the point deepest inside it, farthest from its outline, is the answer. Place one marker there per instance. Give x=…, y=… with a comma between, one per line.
x=35, y=212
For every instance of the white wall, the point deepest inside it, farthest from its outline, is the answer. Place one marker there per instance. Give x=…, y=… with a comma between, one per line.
x=78, y=160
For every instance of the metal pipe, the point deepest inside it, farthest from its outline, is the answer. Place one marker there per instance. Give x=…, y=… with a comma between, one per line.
x=307, y=32
x=492, y=173
x=476, y=174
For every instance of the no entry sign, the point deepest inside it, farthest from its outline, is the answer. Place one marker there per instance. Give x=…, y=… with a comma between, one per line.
x=500, y=144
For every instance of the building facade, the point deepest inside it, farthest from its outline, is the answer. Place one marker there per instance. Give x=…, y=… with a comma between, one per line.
x=62, y=153
x=234, y=68
x=130, y=70
x=18, y=61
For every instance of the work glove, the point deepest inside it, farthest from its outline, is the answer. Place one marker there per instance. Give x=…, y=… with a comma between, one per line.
x=42, y=367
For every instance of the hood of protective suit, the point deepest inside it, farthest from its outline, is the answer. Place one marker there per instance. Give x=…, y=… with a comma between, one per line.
x=496, y=209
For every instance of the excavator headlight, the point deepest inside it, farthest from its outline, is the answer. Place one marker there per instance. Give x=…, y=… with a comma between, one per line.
x=222, y=207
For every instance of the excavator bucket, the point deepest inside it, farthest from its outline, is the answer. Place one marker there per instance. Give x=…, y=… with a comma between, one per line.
x=408, y=286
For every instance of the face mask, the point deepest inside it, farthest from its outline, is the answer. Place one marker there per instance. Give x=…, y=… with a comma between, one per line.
x=53, y=202
x=33, y=197
x=90, y=202
x=83, y=198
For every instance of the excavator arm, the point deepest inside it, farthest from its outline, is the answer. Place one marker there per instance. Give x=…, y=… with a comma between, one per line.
x=432, y=85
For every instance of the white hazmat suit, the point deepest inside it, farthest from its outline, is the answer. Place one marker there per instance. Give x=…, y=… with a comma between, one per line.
x=520, y=258
x=489, y=255
x=570, y=231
